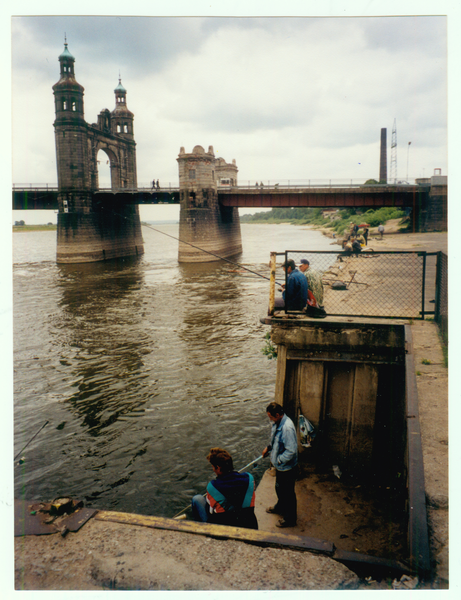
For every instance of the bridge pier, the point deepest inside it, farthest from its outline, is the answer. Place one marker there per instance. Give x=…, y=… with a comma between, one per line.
x=208, y=231
x=99, y=235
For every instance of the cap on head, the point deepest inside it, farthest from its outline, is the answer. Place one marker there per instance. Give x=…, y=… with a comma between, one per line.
x=304, y=261
x=289, y=263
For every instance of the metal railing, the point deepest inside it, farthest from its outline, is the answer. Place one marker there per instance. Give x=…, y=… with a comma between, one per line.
x=368, y=284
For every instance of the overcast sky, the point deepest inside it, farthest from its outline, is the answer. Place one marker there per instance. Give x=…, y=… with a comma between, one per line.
x=287, y=98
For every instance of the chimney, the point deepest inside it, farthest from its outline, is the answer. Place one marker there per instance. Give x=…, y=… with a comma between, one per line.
x=383, y=157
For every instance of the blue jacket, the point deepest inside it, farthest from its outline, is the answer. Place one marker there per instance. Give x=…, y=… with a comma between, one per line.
x=284, y=445
x=295, y=295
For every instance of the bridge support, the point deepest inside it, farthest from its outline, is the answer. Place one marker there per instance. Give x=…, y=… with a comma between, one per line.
x=99, y=235
x=89, y=231
x=208, y=231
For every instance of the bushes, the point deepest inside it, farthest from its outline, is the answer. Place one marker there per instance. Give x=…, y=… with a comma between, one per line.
x=314, y=216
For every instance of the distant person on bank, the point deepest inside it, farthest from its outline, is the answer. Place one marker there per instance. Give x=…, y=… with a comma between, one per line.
x=283, y=451
x=381, y=231
x=294, y=297
x=230, y=498
x=314, y=280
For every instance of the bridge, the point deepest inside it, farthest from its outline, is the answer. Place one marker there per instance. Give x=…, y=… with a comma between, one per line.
x=97, y=224
x=278, y=195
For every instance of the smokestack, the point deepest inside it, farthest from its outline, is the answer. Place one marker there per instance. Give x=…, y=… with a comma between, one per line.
x=383, y=157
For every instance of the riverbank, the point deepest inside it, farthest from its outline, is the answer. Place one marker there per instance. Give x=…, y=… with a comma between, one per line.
x=105, y=554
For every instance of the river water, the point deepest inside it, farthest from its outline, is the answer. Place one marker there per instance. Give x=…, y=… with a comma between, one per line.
x=139, y=367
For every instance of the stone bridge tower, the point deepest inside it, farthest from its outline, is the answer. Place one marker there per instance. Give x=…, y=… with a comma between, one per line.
x=88, y=230
x=203, y=222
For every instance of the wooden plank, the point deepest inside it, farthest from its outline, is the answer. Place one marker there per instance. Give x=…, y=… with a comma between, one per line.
x=252, y=536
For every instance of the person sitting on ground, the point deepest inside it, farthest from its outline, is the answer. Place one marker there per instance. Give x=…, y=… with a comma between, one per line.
x=294, y=298
x=314, y=280
x=230, y=498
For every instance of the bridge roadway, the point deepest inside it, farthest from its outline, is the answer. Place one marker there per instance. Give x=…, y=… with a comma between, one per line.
x=327, y=196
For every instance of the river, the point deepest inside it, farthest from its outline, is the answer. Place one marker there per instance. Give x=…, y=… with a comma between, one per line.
x=139, y=367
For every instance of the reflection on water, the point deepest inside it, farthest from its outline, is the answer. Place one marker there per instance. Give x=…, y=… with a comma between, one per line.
x=140, y=366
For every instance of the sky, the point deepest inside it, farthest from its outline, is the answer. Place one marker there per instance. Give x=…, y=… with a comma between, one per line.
x=289, y=98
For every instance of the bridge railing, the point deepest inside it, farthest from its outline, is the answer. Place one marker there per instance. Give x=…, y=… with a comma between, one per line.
x=368, y=284
x=242, y=185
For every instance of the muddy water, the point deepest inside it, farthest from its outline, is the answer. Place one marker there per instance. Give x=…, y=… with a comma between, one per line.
x=140, y=367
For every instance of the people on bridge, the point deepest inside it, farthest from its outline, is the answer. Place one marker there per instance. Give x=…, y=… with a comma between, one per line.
x=153, y=184
x=230, y=498
x=283, y=449
x=294, y=297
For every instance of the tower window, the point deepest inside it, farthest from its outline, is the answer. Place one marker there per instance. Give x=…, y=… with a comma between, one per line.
x=64, y=104
x=74, y=105
x=125, y=128
x=191, y=173
x=118, y=128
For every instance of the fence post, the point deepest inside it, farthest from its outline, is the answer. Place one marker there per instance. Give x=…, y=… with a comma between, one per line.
x=423, y=293
x=272, y=283
x=438, y=280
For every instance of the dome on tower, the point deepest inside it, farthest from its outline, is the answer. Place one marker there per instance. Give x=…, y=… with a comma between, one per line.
x=66, y=54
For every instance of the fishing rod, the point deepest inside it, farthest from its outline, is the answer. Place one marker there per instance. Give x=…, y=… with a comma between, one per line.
x=34, y=436
x=198, y=248
x=242, y=469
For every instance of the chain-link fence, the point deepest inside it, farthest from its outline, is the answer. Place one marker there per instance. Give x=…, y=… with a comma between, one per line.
x=368, y=284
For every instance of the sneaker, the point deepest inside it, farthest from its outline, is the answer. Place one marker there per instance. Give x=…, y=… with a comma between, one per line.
x=283, y=523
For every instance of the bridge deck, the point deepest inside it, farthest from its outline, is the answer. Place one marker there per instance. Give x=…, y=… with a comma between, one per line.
x=46, y=198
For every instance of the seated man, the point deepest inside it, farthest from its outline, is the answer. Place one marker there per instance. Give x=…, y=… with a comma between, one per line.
x=230, y=498
x=295, y=296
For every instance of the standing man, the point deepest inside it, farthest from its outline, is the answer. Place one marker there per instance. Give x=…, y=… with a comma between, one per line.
x=283, y=451
x=314, y=280
x=381, y=230
x=230, y=498
x=295, y=295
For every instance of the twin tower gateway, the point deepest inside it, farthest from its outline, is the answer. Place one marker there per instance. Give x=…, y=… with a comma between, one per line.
x=92, y=231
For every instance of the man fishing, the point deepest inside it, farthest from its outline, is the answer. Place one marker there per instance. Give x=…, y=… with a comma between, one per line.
x=295, y=295
x=283, y=451
x=230, y=498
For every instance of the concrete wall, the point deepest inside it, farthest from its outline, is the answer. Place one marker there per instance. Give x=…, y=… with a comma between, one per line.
x=348, y=380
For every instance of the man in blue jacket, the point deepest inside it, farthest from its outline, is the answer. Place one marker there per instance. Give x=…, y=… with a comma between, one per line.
x=294, y=297
x=283, y=451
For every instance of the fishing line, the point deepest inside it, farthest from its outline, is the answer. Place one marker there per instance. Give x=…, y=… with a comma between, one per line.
x=242, y=469
x=196, y=247
x=34, y=436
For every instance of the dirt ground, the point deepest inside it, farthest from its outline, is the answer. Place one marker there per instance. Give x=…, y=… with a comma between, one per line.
x=113, y=556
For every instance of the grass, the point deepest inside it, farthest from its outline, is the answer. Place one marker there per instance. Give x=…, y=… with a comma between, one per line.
x=34, y=228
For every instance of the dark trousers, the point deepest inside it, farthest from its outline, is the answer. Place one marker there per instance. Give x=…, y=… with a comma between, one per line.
x=286, y=496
